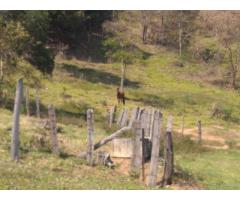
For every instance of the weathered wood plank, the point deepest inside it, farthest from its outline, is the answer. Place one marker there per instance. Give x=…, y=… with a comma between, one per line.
x=152, y=178
x=16, y=117
x=143, y=156
x=124, y=118
x=136, y=161
x=119, y=120
x=134, y=116
x=107, y=139
x=168, y=155
x=151, y=123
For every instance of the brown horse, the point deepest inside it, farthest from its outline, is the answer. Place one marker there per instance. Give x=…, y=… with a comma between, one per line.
x=120, y=96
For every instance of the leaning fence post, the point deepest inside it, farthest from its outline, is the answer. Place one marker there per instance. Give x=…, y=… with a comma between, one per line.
x=16, y=116
x=136, y=161
x=199, y=126
x=27, y=101
x=152, y=177
x=90, y=139
x=168, y=154
x=37, y=103
x=53, y=125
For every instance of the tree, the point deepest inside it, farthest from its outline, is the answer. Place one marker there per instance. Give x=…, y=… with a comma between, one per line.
x=119, y=45
x=119, y=51
x=225, y=26
x=14, y=40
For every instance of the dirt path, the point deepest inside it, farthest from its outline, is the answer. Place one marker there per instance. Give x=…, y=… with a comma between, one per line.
x=211, y=137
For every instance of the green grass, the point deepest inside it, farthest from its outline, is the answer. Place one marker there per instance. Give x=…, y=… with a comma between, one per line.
x=155, y=82
x=217, y=169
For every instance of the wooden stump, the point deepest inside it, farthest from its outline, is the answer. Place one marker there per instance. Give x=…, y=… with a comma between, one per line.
x=152, y=177
x=53, y=126
x=90, y=139
x=136, y=161
x=16, y=117
x=168, y=155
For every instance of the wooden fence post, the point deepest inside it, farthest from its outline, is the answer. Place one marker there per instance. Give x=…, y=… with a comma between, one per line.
x=151, y=123
x=37, y=103
x=16, y=117
x=168, y=154
x=136, y=161
x=124, y=118
x=152, y=177
x=120, y=116
x=143, y=156
x=27, y=101
x=133, y=117
x=90, y=139
x=112, y=115
x=199, y=126
x=183, y=121
x=53, y=126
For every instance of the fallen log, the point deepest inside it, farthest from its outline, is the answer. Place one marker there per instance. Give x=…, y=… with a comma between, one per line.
x=106, y=140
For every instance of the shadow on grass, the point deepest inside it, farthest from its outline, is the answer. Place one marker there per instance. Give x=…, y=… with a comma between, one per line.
x=97, y=76
x=184, y=179
x=154, y=100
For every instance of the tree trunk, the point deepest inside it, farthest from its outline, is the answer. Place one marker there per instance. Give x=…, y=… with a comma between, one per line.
x=16, y=116
x=123, y=70
x=180, y=37
x=233, y=67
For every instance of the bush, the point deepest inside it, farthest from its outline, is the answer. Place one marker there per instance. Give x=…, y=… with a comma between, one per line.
x=224, y=112
x=40, y=141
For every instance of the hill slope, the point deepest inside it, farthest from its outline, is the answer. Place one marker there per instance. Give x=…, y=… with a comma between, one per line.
x=155, y=82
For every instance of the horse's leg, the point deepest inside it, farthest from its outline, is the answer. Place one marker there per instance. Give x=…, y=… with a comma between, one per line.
x=123, y=100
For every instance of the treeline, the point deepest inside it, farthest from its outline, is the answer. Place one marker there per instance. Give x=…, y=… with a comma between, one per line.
x=33, y=38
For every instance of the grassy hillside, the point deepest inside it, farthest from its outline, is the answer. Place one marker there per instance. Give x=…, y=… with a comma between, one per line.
x=155, y=82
